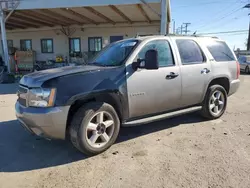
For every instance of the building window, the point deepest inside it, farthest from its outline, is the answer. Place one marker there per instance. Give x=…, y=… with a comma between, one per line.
x=95, y=44
x=26, y=45
x=9, y=43
x=74, y=45
x=47, y=45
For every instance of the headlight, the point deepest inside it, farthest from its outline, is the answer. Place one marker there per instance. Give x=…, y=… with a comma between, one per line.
x=42, y=97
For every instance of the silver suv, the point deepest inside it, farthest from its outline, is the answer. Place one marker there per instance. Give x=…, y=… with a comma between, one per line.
x=130, y=80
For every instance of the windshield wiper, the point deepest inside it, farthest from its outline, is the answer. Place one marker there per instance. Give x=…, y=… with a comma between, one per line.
x=102, y=65
x=97, y=64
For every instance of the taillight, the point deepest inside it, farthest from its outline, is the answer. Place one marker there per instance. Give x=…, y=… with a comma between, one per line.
x=238, y=70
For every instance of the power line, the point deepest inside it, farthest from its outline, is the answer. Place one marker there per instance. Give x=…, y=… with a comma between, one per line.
x=224, y=32
x=221, y=18
x=221, y=12
x=207, y=3
x=226, y=22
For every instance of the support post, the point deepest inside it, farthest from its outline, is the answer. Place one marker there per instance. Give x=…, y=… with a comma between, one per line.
x=163, y=17
x=4, y=39
x=248, y=39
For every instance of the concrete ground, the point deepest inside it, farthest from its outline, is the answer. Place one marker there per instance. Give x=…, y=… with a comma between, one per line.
x=181, y=152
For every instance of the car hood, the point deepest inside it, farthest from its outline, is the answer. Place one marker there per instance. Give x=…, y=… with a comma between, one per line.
x=36, y=79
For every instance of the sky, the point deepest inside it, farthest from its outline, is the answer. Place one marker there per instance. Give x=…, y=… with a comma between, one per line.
x=213, y=16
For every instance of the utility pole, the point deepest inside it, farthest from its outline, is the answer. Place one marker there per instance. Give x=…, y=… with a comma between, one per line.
x=181, y=29
x=6, y=5
x=173, y=26
x=186, y=27
x=248, y=40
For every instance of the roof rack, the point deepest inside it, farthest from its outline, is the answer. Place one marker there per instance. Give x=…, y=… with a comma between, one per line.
x=193, y=35
x=177, y=35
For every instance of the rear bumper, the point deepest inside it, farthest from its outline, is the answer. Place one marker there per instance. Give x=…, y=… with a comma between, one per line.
x=234, y=86
x=45, y=122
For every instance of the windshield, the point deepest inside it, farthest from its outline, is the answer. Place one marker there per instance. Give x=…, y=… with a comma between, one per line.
x=114, y=54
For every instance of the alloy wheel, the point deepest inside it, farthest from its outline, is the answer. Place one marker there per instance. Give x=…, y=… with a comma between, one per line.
x=100, y=129
x=217, y=103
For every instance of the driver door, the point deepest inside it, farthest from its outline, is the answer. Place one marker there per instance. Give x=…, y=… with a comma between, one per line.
x=154, y=91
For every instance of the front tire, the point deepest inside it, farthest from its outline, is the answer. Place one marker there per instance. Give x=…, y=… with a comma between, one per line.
x=94, y=128
x=215, y=102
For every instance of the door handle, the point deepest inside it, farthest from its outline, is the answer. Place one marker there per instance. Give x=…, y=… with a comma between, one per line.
x=171, y=75
x=205, y=71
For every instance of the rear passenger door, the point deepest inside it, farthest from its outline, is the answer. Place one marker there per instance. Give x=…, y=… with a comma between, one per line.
x=195, y=71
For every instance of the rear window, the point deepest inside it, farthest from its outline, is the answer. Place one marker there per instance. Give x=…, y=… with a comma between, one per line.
x=220, y=51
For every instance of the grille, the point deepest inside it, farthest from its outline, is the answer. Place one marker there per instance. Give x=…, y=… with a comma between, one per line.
x=22, y=95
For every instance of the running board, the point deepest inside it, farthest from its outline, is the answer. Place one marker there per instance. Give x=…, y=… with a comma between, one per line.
x=161, y=117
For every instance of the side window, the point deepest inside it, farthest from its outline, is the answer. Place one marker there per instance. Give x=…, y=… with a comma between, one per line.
x=165, y=56
x=190, y=52
x=220, y=51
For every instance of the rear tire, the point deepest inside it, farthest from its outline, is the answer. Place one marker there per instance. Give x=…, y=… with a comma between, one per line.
x=247, y=70
x=215, y=102
x=94, y=128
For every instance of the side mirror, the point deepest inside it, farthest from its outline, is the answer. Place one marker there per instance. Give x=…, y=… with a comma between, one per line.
x=151, y=60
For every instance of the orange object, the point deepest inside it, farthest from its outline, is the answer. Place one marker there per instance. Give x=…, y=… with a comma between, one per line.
x=52, y=97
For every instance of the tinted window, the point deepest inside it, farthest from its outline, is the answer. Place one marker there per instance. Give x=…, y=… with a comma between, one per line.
x=190, y=52
x=164, y=52
x=242, y=59
x=220, y=51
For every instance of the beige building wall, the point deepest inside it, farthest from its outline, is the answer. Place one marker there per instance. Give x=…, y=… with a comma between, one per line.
x=61, y=42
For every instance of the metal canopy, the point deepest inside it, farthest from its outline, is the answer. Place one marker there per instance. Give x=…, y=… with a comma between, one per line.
x=88, y=15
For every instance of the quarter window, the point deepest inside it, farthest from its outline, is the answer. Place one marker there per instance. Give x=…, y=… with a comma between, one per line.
x=26, y=45
x=220, y=51
x=47, y=45
x=165, y=56
x=190, y=52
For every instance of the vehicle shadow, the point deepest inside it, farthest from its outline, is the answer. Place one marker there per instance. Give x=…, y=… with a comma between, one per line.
x=128, y=133
x=21, y=151
x=244, y=73
x=8, y=88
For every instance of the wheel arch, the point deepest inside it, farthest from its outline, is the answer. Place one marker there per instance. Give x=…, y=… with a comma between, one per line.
x=222, y=81
x=113, y=98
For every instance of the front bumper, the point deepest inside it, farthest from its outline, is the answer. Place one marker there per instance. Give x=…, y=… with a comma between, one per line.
x=45, y=122
x=234, y=86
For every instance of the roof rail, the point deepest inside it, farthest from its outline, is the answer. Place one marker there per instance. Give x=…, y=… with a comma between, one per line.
x=137, y=35
x=193, y=35
x=176, y=35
